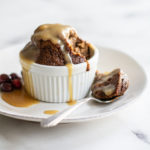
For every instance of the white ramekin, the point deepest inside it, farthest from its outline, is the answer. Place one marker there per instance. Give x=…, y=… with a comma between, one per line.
x=50, y=83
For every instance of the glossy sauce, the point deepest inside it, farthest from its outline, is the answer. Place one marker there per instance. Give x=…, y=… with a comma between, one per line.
x=28, y=56
x=50, y=112
x=18, y=98
x=71, y=101
x=54, y=32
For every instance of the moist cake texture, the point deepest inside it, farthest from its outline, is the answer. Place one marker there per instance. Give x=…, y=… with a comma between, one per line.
x=58, y=45
x=110, y=85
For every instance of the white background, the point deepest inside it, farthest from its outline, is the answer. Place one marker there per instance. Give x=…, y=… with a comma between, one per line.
x=120, y=24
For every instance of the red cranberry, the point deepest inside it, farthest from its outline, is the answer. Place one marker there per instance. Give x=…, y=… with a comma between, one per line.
x=16, y=83
x=14, y=76
x=4, y=78
x=6, y=87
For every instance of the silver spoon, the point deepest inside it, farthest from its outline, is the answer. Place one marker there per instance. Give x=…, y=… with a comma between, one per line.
x=58, y=117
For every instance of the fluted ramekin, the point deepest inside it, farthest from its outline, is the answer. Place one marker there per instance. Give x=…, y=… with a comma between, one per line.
x=50, y=83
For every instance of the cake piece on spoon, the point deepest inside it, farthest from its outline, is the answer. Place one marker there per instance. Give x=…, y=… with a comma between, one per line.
x=110, y=85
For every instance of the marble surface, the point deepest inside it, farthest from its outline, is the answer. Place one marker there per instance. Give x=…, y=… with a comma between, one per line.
x=121, y=24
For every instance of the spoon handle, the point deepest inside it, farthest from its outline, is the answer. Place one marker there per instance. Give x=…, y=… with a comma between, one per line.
x=58, y=117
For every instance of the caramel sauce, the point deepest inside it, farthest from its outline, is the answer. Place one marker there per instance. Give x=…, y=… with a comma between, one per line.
x=106, y=73
x=69, y=66
x=71, y=101
x=18, y=98
x=28, y=82
x=50, y=112
x=29, y=53
x=88, y=66
x=27, y=57
x=53, y=32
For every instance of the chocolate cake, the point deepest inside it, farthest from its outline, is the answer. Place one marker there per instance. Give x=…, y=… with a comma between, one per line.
x=110, y=85
x=59, y=45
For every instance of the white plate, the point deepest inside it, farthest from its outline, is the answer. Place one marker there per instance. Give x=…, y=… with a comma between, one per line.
x=109, y=60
